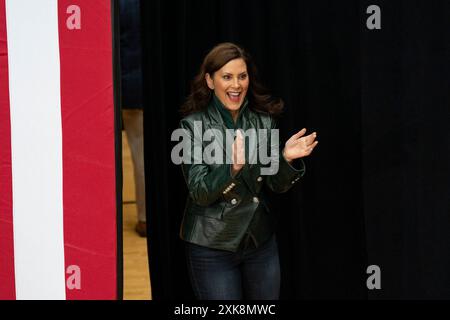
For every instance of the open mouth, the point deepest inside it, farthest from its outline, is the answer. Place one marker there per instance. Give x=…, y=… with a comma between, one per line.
x=234, y=96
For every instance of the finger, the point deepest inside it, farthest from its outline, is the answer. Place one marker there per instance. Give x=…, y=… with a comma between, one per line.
x=238, y=156
x=297, y=135
x=240, y=152
x=238, y=135
x=235, y=146
x=308, y=140
x=239, y=141
x=312, y=146
x=306, y=150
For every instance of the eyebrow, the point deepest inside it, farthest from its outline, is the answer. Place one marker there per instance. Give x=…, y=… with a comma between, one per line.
x=229, y=73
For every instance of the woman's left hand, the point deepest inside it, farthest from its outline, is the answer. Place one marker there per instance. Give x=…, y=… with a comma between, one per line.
x=298, y=146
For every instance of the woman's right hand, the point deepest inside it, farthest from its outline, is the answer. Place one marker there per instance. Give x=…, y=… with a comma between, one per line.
x=238, y=153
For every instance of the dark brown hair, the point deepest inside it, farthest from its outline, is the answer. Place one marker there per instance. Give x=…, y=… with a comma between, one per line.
x=259, y=98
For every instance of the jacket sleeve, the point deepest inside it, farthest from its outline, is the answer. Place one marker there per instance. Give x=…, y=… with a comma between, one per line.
x=287, y=175
x=205, y=183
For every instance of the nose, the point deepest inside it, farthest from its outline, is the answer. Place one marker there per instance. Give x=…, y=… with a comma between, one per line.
x=236, y=83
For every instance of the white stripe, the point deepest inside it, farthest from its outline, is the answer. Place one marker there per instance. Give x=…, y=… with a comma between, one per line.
x=36, y=143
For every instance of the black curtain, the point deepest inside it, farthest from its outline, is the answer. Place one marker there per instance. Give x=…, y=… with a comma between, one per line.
x=376, y=187
x=406, y=143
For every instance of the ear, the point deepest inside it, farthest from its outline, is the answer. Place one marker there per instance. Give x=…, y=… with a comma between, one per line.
x=209, y=81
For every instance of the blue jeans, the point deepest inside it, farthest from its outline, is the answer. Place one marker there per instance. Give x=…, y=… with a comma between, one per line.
x=250, y=273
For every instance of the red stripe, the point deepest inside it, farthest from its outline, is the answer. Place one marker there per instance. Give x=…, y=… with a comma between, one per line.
x=7, y=285
x=87, y=112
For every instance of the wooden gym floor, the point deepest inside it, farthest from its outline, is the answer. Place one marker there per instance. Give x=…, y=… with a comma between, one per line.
x=135, y=260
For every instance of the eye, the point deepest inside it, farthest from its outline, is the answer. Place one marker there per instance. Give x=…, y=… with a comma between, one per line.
x=226, y=77
x=243, y=76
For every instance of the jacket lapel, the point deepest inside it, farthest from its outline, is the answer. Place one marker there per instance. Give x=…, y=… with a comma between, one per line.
x=248, y=122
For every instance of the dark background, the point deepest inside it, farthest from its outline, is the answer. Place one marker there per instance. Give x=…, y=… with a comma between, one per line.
x=376, y=187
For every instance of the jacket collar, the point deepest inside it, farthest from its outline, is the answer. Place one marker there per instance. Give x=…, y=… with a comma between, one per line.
x=221, y=115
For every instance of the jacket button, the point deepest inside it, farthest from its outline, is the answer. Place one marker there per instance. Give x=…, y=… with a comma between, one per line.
x=259, y=179
x=255, y=199
x=233, y=201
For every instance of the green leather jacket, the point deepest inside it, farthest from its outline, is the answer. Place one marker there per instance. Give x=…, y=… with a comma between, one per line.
x=221, y=210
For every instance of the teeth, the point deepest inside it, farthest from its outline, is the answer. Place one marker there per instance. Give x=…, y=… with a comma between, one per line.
x=233, y=94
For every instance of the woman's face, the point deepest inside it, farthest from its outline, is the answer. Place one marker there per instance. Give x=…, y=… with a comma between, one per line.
x=230, y=84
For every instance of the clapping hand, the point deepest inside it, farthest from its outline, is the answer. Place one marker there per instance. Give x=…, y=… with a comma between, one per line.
x=299, y=146
x=238, y=153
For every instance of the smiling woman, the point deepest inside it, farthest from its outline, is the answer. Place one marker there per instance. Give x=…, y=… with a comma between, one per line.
x=230, y=84
x=223, y=66
x=227, y=227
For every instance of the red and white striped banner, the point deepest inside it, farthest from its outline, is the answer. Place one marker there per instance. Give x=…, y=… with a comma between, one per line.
x=58, y=236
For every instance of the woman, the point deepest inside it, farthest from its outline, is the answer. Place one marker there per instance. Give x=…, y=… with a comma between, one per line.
x=227, y=227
